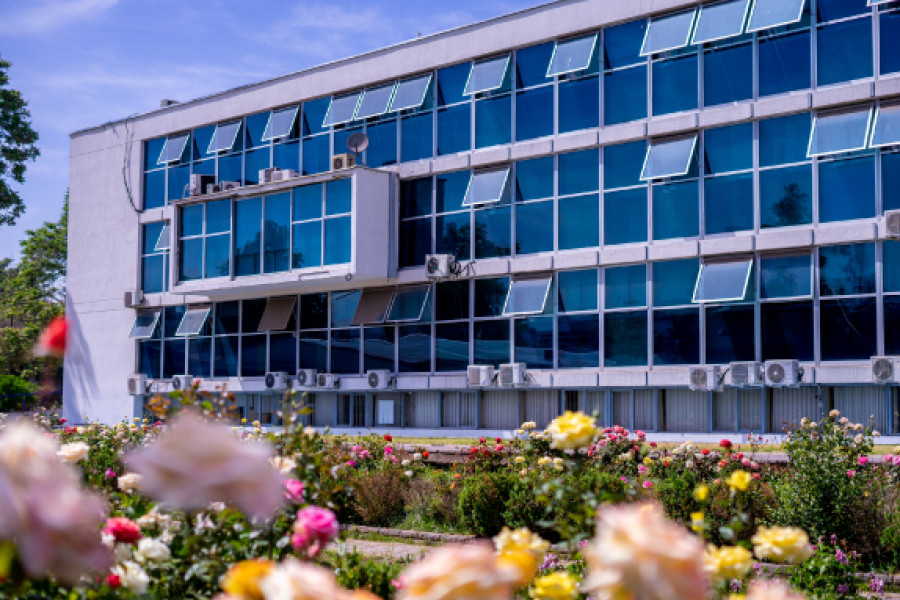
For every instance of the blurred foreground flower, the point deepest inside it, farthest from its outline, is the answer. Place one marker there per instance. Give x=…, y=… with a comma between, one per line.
x=467, y=572
x=313, y=529
x=295, y=580
x=197, y=462
x=54, y=523
x=773, y=590
x=781, y=544
x=639, y=553
x=522, y=550
x=572, y=430
x=243, y=578
x=74, y=452
x=555, y=586
x=52, y=341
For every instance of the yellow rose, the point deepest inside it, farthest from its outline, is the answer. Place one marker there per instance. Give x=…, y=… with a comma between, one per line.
x=781, y=544
x=522, y=550
x=648, y=461
x=572, y=430
x=242, y=579
x=701, y=493
x=698, y=521
x=727, y=562
x=739, y=481
x=519, y=459
x=555, y=586
x=544, y=460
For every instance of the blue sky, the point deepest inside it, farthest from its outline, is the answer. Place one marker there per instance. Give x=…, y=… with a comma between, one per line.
x=80, y=63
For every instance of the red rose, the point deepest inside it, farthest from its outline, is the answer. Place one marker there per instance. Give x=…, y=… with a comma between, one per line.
x=726, y=444
x=124, y=530
x=113, y=581
x=498, y=447
x=425, y=454
x=481, y=440
x=499, y=440
x=52, y=341
x=705, y=452
x=388, y=437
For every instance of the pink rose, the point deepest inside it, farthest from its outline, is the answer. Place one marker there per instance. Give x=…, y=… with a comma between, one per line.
x=745, y=462
x=624, y=479
x=357, y=448
x=293, y=490
x=888, y=460
x=388, y=450
x=313, y=529
x=897, y=460
x=851, y=473
x=862, y=461
x=110, y=474
x=647, y=485
x=364, y=454
x=642, y=469
x=351, y=463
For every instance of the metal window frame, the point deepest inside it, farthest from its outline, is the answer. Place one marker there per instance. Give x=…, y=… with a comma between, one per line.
x=509, y=292
x=687, y=37
x=654, y=144
x=876, y=118
x=193, y=310
x=475, y=174
x=215, y=138
x=162, y=152
x=156, y=313
x=756, y=3
x=590, y=55
x=699, y=18
x=362, y=98
x=165, y=237
x=266, y=135
x=475, y=64
x=327, y=121
x=812, y=133
x=408, y=290
x=703, y=265
x=427, y=79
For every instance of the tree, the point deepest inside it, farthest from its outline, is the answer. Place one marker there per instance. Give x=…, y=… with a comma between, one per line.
x=17, y=146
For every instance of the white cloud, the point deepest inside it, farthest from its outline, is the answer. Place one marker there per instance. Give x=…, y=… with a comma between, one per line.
x=47, y=15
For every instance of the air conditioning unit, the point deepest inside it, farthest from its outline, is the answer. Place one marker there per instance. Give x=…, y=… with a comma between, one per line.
x=746, y=374
x=306, y=378
x=379, y=380
x=137, y=385
x=199, y=183
x=439, y=266
x=222, y=186
x=705, y=379
x=284, y=175
x=342, y=161
x=327, y=381
x=133, y=298
x=277, y=381
x=892, y=223
x=886, y=369
x=181, y=382
x=782, y=373
x=513, y=374
x=480, y=375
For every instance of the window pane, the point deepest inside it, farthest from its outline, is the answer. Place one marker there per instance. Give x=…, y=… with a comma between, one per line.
x=572, y=55
x=345, y=351
x=200, y=357
x=452, y=300
x=411, y=93
x=227, y=317
x=728, y=204
x=785, y=196
x=625, y=339
x=527, y=296
x=193, y=321
x=891, y=325
x=723, y=282
x=144, y=325
x=622, y=164
x=218, y=216
x=493, y=233
x=486, y=186
x=152, y=151
x=622, y=44
x=153, y=274
x=337, y=241
x=281, y=122
x=785, y=276
x=173, y=149
x=889, y=42
x=534, y=179
x=718, y=21
x=625, y=217
x=308, y=202
x=534, y=227
x=375, y=101
x=579, y=341
x=534, y=113
x=149, y=359
x=283, y=353
x=253, y=355
x=579, y=104
x=224, y=137
x=784, y=63
x=577, y=290
x=307, y=245
x=891, y=266
x=313, y=352
x=277, y=233
x=316, y=155
x=626, y=286
x=416, y=137
x=783, y=140
x=532, y=64
x=453, y=236
x=382, y=149
x=341, y=110
x=729, y=334
x=851, y=330
x=728, y=149
x=534, y=342
x=172, y=316
x=174, y=358
x=247, y=232
x=277, y=313
x=415, y=197
x=490, y=296
x=378, y=348
x=847, y=189
x=338, y=197
x=669, y=158
x=629, y=102
x=150, y=236
x=493, y=121
x=674, y=281
x=676, y=337
x=728, y=75
x=218, y=256
x=256, y=125
x=190, y=260
x=409, y=304
x=454, y=128
x=579, y=218
x=451, y=347
x=771, y=13
x=491, y=342
x=839, y=132
x=886, y=130
x=254, y=162
x=668, y=33
x=676, y=210
x=192, y=220
x=844, y=51
x=674, y=85
x=226, y=356
x=451, y=82
x=830, y=10
x=847, y=270
x=890, y=181
x=415, y=348
x=155, y=189
x=579, y=172
x=314, y=311
x=487, y=75
x=251, y=314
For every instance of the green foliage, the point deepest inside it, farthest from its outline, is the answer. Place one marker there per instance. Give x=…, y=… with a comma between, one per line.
x=827, y=574
x=354, y=572
x=482, y=502
x=17, y=146
x=378, y=496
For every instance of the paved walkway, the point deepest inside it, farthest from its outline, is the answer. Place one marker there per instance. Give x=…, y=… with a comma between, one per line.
x=388, y=550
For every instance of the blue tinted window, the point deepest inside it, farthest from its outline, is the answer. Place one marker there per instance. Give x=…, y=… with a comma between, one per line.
x=415, y=197
x=534, y=179
x=149, y=359
x=254, y=162
x=286, y=156
x=451, y=190
x=534, y=227
x=453, y=129
x=851, y=329
x=784, y=63
x=492, y=233
x=414, y=348
x=847, y=189
x=190, y=260
x=153, y=274
x=579, y=104
x=534, y=113
x=337, y=241
x=314, y=311
x=891, y=266
x=785, y=276
x=625, y=217
x=277, y=233
x=579, y=341
x=534, y=342
x=345, y=351
x=622, y=44
x=785, y=196
x=226, y=356
x=314, y=114
x=251, y=313
x=531, y=65
x=307, y=245
x=676, y=210
x=625, y=339
x=890, y=181
x=783, y=140
x=891, y=324
x=218, y=256
x=729, y=333
x=179, y=178
x=728, y=149
x=579, y=222
x=338, y=196
x=728, y=204
x=218, y=216
x=227, y=317
x=493, y=121
x=844, y=51
x=451, y=300
x=378, y=348
x=889, y=33
x=283, y=352
x=491, y=345
x=308, y=202
x=256, y=126
x=172, y=316
x=674, y=85
x=200, y=139
x=174, y=356
x=626, y=287
x=578, y=290
x=451, y=347
x=343, y=308
x=451, y=82
x=316, y=155
x=152, y=150
x=728, y=75
x=831, y=10
x=676, y=337
x=207, y=167
x=847, y=270
x=247, y=234
x=625, y=98
x=622, y=164
x=150, y=236
x=490, y=296
x=416, y=137
x=192, y=220
x=673, y=282
x=579, y=172
x=155, y=189
x=200, y=357
x=313, y=352
x=453, y=235
x=382, y=144
x=230, y=167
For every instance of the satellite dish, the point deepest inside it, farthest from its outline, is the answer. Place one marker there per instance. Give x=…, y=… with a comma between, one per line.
x=357, y=142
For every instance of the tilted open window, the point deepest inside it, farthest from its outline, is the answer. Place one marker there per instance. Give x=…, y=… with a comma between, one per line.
x=773, y=13
x=723, y=281
x=669, y=158
x=720, y=21
x=487, y=75
x=193, y=320
x=375, y=101
x=144, y=325
x=341, y=109
x=373, y=306
x=877, y=2
x=410, y=93
x=409, y=304
x=668, y=33
x=277, y=313
x=838, y=132
x=527, y=296
x=173, y=149
x=886, y=128
x=164, y=241
x=486, y=186
x=224, y=137
x=572, y=55
x=280, y=124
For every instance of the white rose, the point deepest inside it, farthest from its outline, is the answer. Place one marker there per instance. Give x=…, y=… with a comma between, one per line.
x=74, y=452
x=129, y=482
x=150, y=550
x=408, y=473
x=405, y=463
x=132, y=576
x=417, y=456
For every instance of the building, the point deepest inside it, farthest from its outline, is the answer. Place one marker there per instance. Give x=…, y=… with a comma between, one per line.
x=635, y=196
